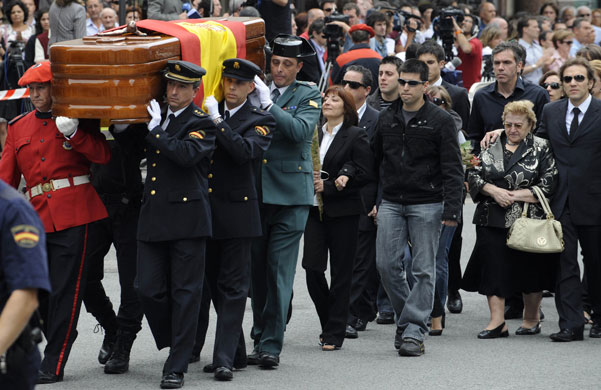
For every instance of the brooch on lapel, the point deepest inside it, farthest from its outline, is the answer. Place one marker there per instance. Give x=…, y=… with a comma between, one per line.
x=67, y=145
x=262, y=130
x=197, y=134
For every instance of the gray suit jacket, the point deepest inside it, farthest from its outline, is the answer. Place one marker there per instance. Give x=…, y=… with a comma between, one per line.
x=164, y=9
x=67, y=22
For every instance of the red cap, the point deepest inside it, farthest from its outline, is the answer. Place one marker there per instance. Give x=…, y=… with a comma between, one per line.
x=38, y=73
x=363, y=27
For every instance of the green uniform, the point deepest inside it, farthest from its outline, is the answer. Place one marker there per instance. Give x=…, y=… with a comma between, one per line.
x=287, y=194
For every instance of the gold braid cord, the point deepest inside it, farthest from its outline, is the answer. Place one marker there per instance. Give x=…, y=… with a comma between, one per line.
x=317, y=167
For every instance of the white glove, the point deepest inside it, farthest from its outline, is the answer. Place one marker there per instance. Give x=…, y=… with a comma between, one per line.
x=263, y=91
x=213, y=107
x=65, y=125
x=155, y=114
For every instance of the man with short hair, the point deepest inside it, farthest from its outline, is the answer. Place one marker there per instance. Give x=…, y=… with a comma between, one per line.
x=108, y=16
x=30, y=4
x=585, y=12
x=421, y=191
x=328, y=7
x=351, y=10
x=312, y=15
x=315, y=65
x=536, y=57
x=388, y=85
x=487, y=12
x=583, y=35
x=489, y=101
x=94, y=23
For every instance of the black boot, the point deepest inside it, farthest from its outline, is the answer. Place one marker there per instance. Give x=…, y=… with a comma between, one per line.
x=119, y=362
x=108, y=343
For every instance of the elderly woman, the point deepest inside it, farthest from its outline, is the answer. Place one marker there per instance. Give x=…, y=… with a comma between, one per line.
x=552, y=83
x=509, y=168
x=562, y=42
x=347, y=164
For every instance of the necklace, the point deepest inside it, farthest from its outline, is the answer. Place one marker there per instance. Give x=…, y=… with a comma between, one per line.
x=511, y=144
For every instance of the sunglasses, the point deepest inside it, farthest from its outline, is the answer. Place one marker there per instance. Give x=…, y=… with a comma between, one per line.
x=579, y=78
x=412, y=83
x=438, y=101
x=352, y=84
x=552, y=85
x=567, y=42
x=329, y=9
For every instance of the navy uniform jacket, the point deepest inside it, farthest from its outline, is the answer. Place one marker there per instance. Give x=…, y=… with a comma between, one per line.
x=175, y=202
x=23, y=260
x=240, y=144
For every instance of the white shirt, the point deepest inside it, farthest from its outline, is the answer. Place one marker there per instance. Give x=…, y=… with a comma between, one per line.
x=534, y=52
x=92, y=29
x=360, y=111
x=326, y=142
x=169, y=112
x=233, y=110
x=583, y=107
x=321, y=51
x=438, y=82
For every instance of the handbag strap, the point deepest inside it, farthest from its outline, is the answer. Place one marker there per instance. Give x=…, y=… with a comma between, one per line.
x=543, y=201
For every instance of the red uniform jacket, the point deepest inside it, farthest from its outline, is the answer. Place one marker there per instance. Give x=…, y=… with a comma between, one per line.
x=35, y=148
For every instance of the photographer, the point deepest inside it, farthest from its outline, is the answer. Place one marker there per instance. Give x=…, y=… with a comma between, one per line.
x=469, y=48
x=411, y=33
x=359, y=54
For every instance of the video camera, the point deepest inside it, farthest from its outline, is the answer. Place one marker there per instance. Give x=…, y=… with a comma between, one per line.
x=334, y=34
x=445, y=30
x=400, y=19
x=16, y=50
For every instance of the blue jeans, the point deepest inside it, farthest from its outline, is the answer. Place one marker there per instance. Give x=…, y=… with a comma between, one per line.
x=382, y=300
x=421, y=224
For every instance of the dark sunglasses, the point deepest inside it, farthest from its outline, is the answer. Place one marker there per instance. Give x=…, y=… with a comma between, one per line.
x=328, y=9
x=352, y=84
x=567, y=42
x=552, y=85
x=412, y=83
x=438, y=101
x=579, y=78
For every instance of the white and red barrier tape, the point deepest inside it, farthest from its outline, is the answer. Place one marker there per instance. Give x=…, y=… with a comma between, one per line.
x=14, y=94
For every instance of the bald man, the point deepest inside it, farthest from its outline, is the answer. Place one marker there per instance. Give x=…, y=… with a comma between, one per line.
x=108, y=16
x=312, y=15
x=502, y=23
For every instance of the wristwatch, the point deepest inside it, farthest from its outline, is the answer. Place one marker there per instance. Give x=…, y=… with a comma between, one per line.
x=218, y=120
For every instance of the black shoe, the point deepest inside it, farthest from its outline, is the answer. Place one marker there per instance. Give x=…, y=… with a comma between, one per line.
x=566, y=335
x=194, y=359
x=360, y=325
x=435, y=332
x=541, y=315
x=494, y=333
x=595, y=331
x=253, y=359
x=513, y=313
x=46, y=378
x=385, y=318
x=351, y=333
x=223, y=374
x=119, y=361
x=412, y=347
x=454, y=302
x=528, y=331
x=398, y=339
x=106, y=350
x=173, y=380
x=268, y=360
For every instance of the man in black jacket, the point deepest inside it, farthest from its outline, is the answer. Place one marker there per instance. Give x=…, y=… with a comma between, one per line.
x=421, y=177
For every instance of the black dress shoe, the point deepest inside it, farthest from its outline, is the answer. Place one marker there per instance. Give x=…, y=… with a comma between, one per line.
x=106, y=350
x=566, y=335
x=172, y=380
x=528, y=331
x=494, y=333
x=385, y=318
x=223, y=374
x=46, y=378
x=253, y=359
x=360, y=325
x=351, y=333
x=268, y=360
x=454, y=302
x=595, y=331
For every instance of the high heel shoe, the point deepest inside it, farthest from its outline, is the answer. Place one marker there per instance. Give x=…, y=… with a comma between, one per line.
x=437, y=332
x=494, y=333
x=528, y=331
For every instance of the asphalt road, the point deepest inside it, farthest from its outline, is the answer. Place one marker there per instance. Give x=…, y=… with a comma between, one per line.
x=456, y=360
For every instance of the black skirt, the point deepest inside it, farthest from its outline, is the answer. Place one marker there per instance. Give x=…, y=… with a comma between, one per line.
x=496, y=269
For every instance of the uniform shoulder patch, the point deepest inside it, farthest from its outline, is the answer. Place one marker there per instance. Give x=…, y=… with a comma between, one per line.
x=262, y=130
x=200, y=134
x=313, y=103
x=14, y=120
x=199, y=113
x=25, y=236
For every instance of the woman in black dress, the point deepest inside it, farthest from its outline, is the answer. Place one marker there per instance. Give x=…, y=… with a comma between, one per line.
x=509, y=168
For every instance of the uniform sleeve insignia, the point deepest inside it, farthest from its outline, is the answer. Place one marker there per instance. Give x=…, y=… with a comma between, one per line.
x=197, y=134
x=262, y=130
x=25, y=236
x=313, y=103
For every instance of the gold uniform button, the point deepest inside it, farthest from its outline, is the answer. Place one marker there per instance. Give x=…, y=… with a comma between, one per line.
x=144, y=149
x=185, y=199
x=158, y=151
x=211, y=161
x=222, y=129
x=210, y=175
x=154, y=164
x=300, y=168
x=246, y=198
x=264, y=161
x=153, y=192
x=158, y=136
x=153, y=178
x=210, y=190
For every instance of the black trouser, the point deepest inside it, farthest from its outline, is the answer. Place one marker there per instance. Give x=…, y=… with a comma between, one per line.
x=169, y=284
x=227, y=281
x=568, y=293
x=23, y=374
x=455, y=260
x=339, y=237
x=119, y=229
x=68, y=269
x=364, y=288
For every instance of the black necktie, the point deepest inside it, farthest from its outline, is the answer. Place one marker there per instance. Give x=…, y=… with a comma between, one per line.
x=226, y=116
x=574, y=124
x=275, y=95
x=171, y=117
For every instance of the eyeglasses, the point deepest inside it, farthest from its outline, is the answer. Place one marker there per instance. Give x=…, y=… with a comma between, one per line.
x=329, y=9
x=412, y=83
x=567, y=42
x=352, y=84
x=584, y=15
x=579, y=78
x=552, y=85
x=438, y=101
x=509, y=125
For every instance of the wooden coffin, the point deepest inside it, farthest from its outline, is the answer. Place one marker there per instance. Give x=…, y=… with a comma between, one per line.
x=115, y=77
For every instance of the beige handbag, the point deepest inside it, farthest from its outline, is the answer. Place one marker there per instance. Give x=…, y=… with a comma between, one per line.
x=536, y=235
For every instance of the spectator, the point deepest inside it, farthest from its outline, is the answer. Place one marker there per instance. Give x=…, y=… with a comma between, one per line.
x=550, y=10
x=250, y=11
x=93, y=23
x=388, y=85
x=16, y=30
x=359, y=54
x=276, y=14
x=301, y=23
x=503, y=25
x=167, y=10
x=379, y=43
x=31, y=8
x=328, y=7
x=567, y=14
x=590, y=52
x=312, y=15
x=133, y=14
x=217, y=8
x=364, y=6
x=352, y=11
x=552, y=84
x=490, y=38
x=470, y=50
x=562, y=41
x=585, y=12
x=544, y=39
x=426, y=9
x=314, y=65
x=559, y=26
x=433, y=55
x=596, y=17
x=109, y=18
x=596, y=90
x=536, y=58
x=410, y=34
x=489, y=101
x=36, y=49
x=487, y=13
x=544, y=24
x=583, y=35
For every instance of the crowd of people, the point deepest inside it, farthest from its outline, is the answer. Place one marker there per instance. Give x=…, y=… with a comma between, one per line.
x=371, y=170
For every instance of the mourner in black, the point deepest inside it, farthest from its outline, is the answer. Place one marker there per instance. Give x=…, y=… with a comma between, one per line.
x=23, y=271
x=175, y=218
x=243, y=135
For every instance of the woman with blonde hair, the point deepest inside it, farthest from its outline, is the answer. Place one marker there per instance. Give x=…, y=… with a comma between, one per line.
x=562, y=41
x=491, y=36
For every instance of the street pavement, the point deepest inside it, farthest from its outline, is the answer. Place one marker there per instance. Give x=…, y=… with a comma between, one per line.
x=455, y=360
